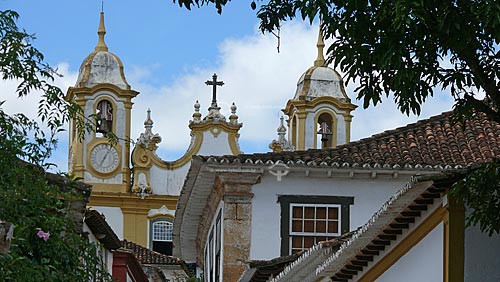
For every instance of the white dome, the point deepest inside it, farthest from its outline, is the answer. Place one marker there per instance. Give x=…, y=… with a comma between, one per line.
x=319, y=81
x=102, y=67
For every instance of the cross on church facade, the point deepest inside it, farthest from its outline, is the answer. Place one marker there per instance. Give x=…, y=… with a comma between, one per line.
x=214, y=84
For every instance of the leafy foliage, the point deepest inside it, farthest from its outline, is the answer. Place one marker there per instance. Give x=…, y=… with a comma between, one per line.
x=480, y=189
x=47, y=245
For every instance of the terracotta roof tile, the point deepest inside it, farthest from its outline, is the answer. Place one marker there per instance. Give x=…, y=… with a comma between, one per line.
x=432, y=142
x=147, y=256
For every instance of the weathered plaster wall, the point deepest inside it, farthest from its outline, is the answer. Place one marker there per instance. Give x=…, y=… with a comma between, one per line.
x=168, y=182
x=369, y=195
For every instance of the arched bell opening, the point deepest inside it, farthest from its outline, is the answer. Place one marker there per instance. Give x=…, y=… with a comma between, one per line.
x=324, y=131
x=104, y=122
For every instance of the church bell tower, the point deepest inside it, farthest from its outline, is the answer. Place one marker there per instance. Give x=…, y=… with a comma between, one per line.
x=105, y=96
x=320, y=112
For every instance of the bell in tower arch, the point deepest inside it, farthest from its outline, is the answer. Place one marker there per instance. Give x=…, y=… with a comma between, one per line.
x=105, y=117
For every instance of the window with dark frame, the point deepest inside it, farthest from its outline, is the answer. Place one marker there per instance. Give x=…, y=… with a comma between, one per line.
x=218, y=247
x=161, y=239
x=307, y=220
x=210, y=253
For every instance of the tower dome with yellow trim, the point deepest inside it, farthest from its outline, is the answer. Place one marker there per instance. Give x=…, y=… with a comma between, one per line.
x=320, y=80
x=102, y=66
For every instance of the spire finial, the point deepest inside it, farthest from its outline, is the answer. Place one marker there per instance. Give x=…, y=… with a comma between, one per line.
x=101, y=31
x=320, y=60
x=148, y=123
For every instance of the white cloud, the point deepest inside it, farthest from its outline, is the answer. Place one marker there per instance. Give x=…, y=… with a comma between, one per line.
x=28, y=105
x=257, y=78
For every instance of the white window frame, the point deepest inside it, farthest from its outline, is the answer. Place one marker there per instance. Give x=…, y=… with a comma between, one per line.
x=313, y=234
x=158, y=236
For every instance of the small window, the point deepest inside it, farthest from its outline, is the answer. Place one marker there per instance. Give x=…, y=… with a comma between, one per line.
x=307, y=220
x=162, y=237
x=310, y=224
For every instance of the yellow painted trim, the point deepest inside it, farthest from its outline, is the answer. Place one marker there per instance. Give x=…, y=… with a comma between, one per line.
x=302, y=105
x=232, y=138
x=301, y=134
x=405, y=245
x=132, y=202
x=454, y=247
x=186, y=158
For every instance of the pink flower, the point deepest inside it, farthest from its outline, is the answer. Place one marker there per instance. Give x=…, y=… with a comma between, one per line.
x=44, y=235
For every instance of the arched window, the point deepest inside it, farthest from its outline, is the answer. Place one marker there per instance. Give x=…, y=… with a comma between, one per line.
x=324, y=131
x=104, y=117
x=161, y=236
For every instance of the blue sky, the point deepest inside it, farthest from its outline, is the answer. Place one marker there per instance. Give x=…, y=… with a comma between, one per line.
x=168, y=53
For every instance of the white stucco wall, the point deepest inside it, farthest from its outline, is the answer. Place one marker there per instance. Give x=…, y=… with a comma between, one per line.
x=482, y=256
x=114, y=217
x=369, y=195
x=413, y=268
x=168, y=182
x=216, y=146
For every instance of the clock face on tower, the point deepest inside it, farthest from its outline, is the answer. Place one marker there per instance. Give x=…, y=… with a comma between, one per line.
x=104, y=158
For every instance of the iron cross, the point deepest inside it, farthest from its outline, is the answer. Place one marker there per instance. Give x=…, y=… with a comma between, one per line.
x=214, y=83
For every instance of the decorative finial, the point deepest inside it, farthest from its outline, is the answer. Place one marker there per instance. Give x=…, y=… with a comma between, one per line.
x=148, y=138
x=281, y=144
x=101, y=31
x=197, y=106
x=320, y=60
x=196, y=115
x=233, y=118
x=233, y=108
x=281, y=129
x=148, y=123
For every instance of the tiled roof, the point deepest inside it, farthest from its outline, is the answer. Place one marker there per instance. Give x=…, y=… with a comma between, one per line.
x=436, y=142
x=147, y=256
x=266, y=269
x=262, y=270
